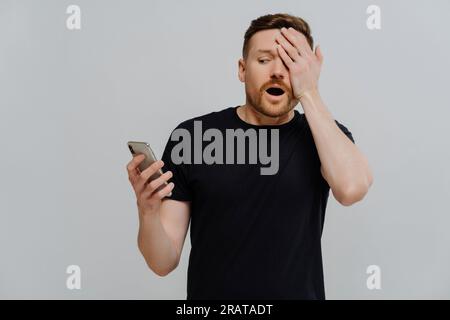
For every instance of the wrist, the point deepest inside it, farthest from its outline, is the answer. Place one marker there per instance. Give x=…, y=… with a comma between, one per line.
x=308, y=94
x=146, y=217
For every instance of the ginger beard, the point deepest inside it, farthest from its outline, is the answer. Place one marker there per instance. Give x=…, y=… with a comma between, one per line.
x=271, y=105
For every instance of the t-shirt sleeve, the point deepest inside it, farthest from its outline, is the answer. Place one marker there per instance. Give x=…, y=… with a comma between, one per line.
x=180, y=177
x=345, y=130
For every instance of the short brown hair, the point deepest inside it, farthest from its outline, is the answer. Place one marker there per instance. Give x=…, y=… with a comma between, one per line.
x=276, y=21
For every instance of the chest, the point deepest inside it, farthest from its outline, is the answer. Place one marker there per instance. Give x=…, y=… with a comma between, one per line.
x=297, y=174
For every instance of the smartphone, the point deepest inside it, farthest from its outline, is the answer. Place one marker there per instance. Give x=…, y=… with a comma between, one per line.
x=141, y=147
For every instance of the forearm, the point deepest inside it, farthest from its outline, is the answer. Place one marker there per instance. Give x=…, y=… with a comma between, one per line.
x=345, y=167
x=155, y=245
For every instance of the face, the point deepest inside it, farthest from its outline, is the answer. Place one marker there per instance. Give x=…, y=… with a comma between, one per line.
x=262, y=70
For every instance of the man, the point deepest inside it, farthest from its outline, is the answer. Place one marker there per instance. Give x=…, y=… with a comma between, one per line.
x=256, y=236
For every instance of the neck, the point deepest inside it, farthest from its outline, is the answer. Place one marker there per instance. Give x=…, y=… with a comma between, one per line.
x=252, y=116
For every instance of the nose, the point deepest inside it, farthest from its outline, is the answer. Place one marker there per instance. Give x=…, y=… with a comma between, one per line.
x=279, y=70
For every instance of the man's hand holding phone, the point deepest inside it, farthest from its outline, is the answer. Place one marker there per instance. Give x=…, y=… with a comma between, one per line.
x=149, y=194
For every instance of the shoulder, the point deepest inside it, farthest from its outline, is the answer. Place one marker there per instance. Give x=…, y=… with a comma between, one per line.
x=211, y=119
x=340, y=125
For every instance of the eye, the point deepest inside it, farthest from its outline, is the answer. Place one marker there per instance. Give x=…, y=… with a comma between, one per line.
x=263, y=60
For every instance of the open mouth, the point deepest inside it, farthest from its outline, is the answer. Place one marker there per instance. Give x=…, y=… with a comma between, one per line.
x=275, y=91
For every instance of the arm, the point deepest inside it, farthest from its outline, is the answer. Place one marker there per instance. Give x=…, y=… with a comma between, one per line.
x=162, y=234
x=163, y=222
x=344, y=167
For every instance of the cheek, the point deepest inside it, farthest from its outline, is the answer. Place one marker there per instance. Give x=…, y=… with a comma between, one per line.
x=257, y=77
x=253, y=82
x=252, y=88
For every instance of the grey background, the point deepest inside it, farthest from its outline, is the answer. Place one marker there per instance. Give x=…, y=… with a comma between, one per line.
x=70, y=100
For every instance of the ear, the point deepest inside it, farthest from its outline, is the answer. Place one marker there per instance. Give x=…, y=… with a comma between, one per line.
x=319, y=54
x=241, y=70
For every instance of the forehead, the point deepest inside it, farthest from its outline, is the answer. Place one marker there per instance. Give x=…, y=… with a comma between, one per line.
x=263, y=40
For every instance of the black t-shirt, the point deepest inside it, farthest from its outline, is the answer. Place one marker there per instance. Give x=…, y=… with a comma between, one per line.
x=254, y=236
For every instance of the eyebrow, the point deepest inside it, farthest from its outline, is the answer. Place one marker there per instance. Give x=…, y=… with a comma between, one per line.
x=265, y=51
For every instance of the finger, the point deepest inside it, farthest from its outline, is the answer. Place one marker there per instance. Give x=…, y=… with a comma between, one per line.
x=153, y=185
x=145, y=175
x=319, y=54
x=151, y=170
x=292, y=38
x=132, y=167
x=288, y=47
x=166, y=191
x=284, y=56
x=300, y=41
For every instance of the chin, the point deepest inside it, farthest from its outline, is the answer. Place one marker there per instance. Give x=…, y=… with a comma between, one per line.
x=274, y=110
